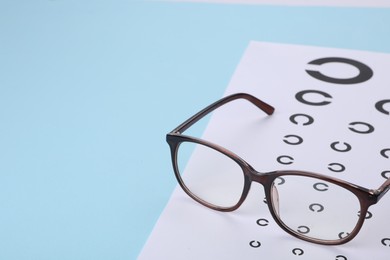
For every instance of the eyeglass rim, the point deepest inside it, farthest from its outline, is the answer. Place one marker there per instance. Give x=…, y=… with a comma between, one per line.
x=365, y=196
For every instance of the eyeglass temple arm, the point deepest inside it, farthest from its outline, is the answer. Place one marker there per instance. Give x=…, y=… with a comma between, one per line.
x=383, y=189
x=268, y=109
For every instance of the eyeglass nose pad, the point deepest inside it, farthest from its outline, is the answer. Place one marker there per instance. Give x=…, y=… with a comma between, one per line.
x=275, y=199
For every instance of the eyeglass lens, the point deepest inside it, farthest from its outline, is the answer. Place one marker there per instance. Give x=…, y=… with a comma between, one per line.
x=315, y=208
x=217, y=180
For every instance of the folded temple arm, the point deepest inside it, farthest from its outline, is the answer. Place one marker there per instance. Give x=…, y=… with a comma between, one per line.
x=268, y=109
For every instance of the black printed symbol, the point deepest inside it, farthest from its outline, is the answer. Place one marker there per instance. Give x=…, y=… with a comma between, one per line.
x=336, y=167
x=297, y=251
x=255, y=244
x=384, y=151
x=343, y=235
x=321, y=186
x=369, y=129
x=385, y=174
x=316, y=207
x=386, y=242
x=285, y=159
x=281, y=180
x=308, y=119
x=365, y=72
x=300, y=96
x=368, y=215
x=262, y=222
x=346, y=147
x=293, y=139
x=303, y=229
x=380, y=106
x=341, y=257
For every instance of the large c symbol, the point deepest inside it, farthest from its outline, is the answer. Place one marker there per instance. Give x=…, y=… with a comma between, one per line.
x=365, y=72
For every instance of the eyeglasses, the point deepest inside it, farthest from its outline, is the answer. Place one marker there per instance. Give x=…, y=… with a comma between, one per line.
x=309, y=206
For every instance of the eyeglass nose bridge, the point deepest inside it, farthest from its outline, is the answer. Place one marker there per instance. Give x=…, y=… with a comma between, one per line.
x=267, y=181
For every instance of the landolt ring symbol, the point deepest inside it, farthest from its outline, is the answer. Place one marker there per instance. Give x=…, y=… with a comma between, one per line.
x=347, y=146
x=384, y=153
x=297, y=251
x=369, y=130
x=365, y=72
x=380, y=106
x=317, y=186
x=293, y=139
x=309, y=119
x=300, y=96
x=333, y=169
x=262, y=222
x=255, y=244
x=303, y=229
x=384, y=174
x=316, y=207
x=281, y=160
x=386, y=242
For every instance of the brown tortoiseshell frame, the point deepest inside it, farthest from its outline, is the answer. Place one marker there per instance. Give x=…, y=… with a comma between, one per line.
x=367, y=197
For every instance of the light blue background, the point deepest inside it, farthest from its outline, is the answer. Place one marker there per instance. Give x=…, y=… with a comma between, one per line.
x=88, y=90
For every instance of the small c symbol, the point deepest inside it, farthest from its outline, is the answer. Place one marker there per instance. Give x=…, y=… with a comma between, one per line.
x=385, y=174
x=386, y=242
x=262, y=222
x=297, y=251
x=343, y=235
x=333, y=169
x=369, y=130
x=303, y=229
x=380, y=106
x=309, y=120
x=293, y=139
x=255, y=244
x=341, y=257
x=347, y=147
x=282, y=159
x=316, y=207
x=300, y=96
x=317, y=186
x=384, y=151
x=368, y=215
x=281, y=180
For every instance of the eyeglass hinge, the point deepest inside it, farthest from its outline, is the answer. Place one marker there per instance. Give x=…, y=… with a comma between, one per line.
x=379, y=192
x=374, y=192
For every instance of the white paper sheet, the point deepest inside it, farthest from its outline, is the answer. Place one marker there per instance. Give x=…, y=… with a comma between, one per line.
x=277, y=73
